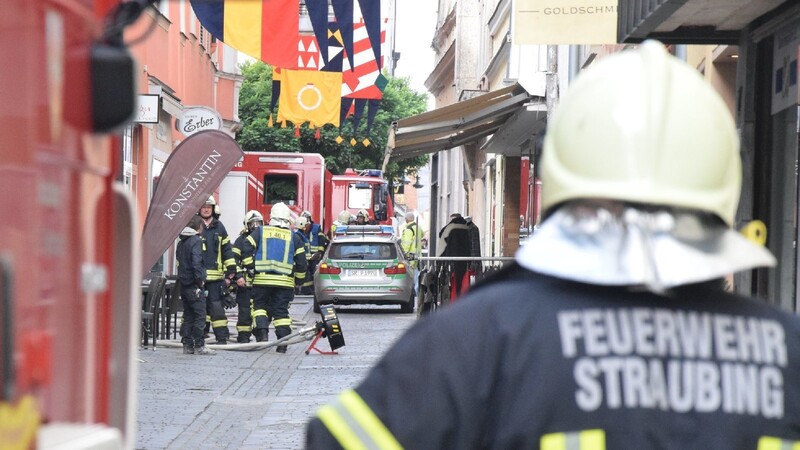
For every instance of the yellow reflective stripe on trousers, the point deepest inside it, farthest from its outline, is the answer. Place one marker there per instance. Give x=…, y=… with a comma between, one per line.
x=354, y=425
x=282, y=322
x=576, y=440
x=774, y=443
x=220, y=323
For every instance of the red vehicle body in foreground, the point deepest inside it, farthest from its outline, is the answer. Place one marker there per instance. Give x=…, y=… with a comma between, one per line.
x=300, y=180
x=68, y=301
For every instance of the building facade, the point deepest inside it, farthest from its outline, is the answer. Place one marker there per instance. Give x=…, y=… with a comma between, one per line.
x=180, y=65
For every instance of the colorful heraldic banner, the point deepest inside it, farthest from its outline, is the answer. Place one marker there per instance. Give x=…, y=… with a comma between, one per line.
x=264, y=29
x=784, y=69
x=310, y=96
x=565, y=22
x=192, y=172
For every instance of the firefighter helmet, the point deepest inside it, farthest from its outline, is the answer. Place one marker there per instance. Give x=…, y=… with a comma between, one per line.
x=251, y=217
x=306, y=214
x=215, y=210
x=344, y=217
x=302, y=221
x=280, y=212
x=363, y=213
x=641, y=126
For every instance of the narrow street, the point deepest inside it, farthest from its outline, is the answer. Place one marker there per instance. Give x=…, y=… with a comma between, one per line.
x=257, y=399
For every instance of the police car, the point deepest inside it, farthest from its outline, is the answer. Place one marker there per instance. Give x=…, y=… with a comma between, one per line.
x=364, y=265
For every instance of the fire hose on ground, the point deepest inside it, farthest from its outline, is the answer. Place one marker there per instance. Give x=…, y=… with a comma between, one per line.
x=327, y=327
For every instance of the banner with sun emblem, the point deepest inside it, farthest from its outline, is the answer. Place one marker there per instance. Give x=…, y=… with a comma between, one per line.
x=310, y=96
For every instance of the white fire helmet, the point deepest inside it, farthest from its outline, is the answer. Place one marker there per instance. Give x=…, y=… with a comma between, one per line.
x=306, y=214
x=251, y=217
x=302, y=221
x=211, y=201
x=642, y=126
x=344, y=217
x=280, y=212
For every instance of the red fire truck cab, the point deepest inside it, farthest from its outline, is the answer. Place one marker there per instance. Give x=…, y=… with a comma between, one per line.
x=300, y=180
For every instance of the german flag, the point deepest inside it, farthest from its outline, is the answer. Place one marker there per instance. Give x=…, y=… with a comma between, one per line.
x=264, y=29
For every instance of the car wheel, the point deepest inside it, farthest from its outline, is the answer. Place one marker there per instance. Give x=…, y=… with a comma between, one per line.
x=316, y=306
x=408, y=307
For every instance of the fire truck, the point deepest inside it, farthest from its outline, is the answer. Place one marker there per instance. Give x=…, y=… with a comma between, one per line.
x=261, y=179
x=68, y=288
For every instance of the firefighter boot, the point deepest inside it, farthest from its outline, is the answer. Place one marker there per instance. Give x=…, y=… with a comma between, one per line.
x=280, y=332
x=243, y=337
x=261, y=334
x=201, y=349
x=188, y=348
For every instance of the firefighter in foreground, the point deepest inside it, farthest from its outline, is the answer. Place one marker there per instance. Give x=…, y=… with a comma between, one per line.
x=278, y=262
x=220, y=266
x=244, y=298
x=612, y=329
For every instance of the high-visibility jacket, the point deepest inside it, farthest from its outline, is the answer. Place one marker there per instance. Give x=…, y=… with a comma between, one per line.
x=304, y=238
x=218, y=256
x=409, y=238
x=317, y=239
x=278, y=256
x=536, y=362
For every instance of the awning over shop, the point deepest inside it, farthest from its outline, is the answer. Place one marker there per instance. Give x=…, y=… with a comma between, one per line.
x=464, y=122
x=690, y=21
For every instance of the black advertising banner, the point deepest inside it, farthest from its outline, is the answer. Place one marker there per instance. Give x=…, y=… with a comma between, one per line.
x=192, y=172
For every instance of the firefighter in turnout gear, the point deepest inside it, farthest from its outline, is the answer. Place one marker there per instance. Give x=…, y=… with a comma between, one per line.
x=317, y=244
x=613, y=328
x=244, y=298
x=301, y=231
x=192, y=277
x=220, y=265
x=279, y=263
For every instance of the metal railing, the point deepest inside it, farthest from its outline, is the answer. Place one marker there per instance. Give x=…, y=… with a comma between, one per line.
x=442, y=279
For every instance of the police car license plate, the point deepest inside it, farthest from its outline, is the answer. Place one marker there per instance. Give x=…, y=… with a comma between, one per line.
x=362, y=273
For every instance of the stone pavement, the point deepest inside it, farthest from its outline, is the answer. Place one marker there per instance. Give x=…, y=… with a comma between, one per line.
x=257, y=399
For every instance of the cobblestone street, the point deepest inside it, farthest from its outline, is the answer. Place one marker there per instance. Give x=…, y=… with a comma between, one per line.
x=257, y=399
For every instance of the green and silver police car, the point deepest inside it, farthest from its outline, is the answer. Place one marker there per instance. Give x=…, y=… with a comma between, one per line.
x=364, y=264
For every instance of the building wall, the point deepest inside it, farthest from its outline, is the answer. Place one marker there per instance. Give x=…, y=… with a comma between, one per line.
x=179, y=61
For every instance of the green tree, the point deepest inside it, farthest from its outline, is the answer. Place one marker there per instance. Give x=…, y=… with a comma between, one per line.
x=399, y=101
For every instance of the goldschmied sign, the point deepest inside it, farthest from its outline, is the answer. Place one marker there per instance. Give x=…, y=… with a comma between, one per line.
x=565, y=22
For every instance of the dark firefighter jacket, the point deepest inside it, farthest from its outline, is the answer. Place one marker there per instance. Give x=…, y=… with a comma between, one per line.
x=217, y=255
x=278, y=257
x=530, y=361
x=189, y=256
x=241, y=263
x=317, y=239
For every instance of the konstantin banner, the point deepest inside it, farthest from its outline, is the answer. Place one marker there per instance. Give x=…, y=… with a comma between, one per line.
x=192, y=172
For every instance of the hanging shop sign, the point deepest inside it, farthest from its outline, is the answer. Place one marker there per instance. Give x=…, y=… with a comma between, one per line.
x=146, y=109
x=198, y=118
x=552, y=22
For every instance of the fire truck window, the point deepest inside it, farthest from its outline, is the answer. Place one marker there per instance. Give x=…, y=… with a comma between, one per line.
x=359, y=198
x=280, y=188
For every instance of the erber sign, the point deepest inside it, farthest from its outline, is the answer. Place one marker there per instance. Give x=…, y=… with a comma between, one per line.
x=198, y=118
